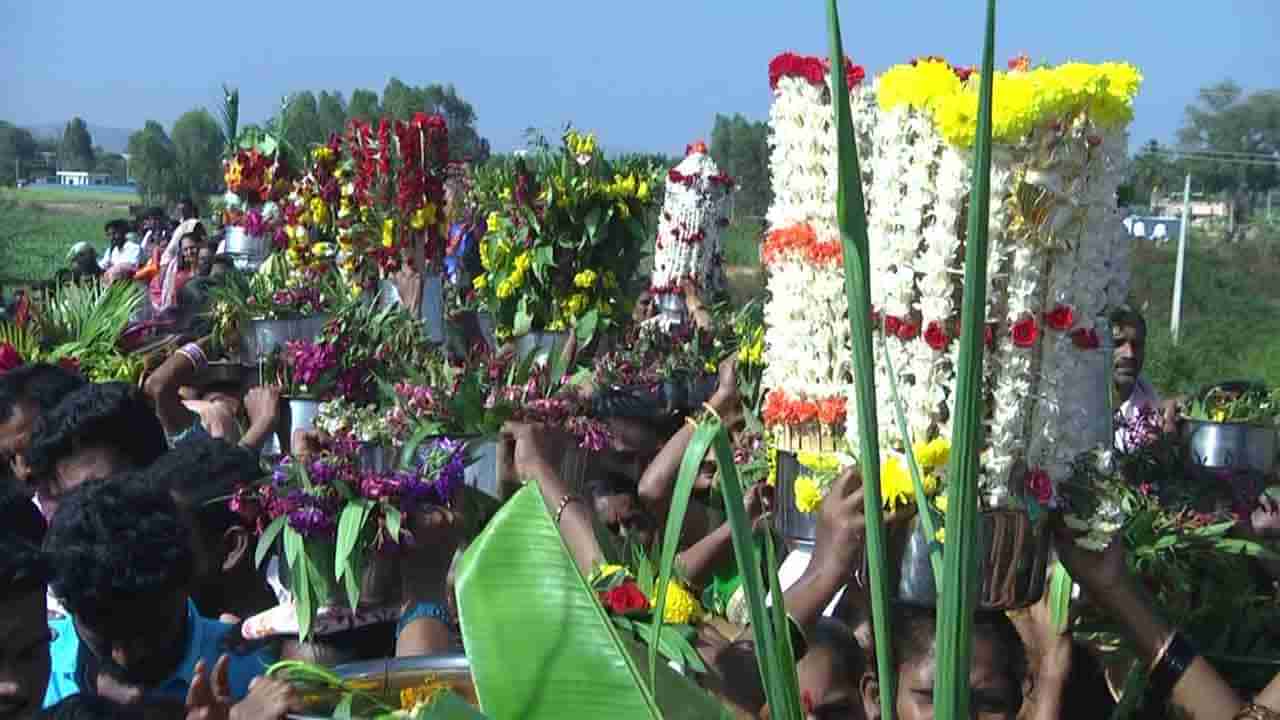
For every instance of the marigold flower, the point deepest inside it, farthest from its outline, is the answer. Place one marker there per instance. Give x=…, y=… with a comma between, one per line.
x=681, y=607
x=808, y=494
x=585, y=279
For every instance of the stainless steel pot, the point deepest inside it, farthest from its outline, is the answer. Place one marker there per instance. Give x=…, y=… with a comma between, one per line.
x=248, y=251
x=1012, y=557
x=798, y=527
x=431, y=311
x=300, y=415
x=672, y=308
x=388, y=677
x=1230, y=446
x=482, y=469
x=261, y=337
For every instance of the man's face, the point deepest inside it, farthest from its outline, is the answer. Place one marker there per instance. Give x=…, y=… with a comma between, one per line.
x=24, y=655
x=93, y=462
x=190, y=252
x=204, y=260
x=15, y=439
x=625, y=519
x=141, y=647
x=1130, y=353
x=992, y=696
x=824, y=694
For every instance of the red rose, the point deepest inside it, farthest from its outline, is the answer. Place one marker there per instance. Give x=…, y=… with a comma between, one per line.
x=892, y=324
x=9, y=358
x=1061, y=317
x=625, y=598
x=1040, y=486
x=1085, y=339
x=1025, y=332
x=989, y=335
x=909, y=330
x=936, y=336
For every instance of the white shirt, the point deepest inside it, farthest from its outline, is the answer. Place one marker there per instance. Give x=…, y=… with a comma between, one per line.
x=127, y=254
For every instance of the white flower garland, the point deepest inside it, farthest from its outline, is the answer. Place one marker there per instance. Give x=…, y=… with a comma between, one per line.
x=694, y=212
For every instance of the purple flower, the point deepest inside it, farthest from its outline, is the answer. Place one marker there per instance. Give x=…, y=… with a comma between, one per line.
x=253, y=223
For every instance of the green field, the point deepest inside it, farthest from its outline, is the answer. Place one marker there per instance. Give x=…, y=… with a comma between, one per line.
x=101, y=199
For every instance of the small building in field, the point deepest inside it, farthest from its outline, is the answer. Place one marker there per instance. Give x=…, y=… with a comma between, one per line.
x=82, y=177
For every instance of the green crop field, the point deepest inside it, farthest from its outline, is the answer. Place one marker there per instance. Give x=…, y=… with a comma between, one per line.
x=88, y=197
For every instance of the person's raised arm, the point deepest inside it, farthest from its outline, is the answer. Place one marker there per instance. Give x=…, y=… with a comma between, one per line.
x=1198, y=690
x=262, y=405
x=700, y=561
x=179, y=369
x=659, y=478
x=537, y=453
x=839, y=536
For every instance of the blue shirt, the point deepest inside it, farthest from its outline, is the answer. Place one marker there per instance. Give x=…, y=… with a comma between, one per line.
x=204, y=641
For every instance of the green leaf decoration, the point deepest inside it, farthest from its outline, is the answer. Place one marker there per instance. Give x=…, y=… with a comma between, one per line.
x=851, y=216
x=449, y=707
x=523, y=321
x=350, y=523
x=1060, y=587
x=575, y=664
x=268, y=539
x=960, y=578
x=519, y=574
x=586, y=327
x=680, y=495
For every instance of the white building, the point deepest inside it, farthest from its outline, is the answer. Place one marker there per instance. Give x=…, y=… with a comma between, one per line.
x=81, y=177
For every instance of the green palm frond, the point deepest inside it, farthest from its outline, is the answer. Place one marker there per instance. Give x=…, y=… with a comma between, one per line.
x=21, y=339
x=91, y=316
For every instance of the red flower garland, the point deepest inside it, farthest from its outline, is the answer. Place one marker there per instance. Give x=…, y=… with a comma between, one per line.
x=811, y=69
x=1085, y=339
x=908, y=330
x=936, y=335
x=803, y=241
x=625, y=599
x=782, y=410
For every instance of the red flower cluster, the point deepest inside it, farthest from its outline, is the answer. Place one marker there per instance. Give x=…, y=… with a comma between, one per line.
x=811, y=69
x=782, y=410
x=9, y=358
x=625, y=599
x=1040, y=486
x=251, y=175
x=1025, y=332
x=800, y=240
x=1061, y=318
x=1085, y=339
x=936, y=335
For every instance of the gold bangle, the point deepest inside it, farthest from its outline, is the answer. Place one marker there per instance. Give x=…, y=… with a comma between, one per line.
x=564, y=503
x=1254, y=711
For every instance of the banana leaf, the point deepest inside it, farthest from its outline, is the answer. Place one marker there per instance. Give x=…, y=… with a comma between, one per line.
x=541, y=645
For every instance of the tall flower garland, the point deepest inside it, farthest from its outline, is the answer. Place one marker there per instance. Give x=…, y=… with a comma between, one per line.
x=807, y=345
x=1055, y=265
x=695, y=212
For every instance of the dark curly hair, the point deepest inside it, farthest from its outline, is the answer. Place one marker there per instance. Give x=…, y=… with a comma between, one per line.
x=23, y=567
x=85, y=706
x=42, y=385
x=201, y=474
x=115, y=541
x=19, y=517
x=110, y=414
x=914, y=635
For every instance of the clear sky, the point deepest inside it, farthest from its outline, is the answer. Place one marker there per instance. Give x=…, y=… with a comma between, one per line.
x=647, y=74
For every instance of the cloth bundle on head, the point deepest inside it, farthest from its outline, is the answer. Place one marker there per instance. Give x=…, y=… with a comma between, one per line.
x=695, y=212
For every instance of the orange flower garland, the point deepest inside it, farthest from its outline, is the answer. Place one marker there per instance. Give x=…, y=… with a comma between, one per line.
x=779, y=409
x=800, y=240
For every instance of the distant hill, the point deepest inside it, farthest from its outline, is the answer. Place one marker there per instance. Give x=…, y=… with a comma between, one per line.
x=114, y=140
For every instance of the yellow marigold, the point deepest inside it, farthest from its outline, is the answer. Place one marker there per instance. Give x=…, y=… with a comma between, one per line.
x=933, y=454
x=940, y=535
x=585, y=279
x=808, y=494
x=818, y=462
x=896, y=488
x=389, y=232
x=322, y=249
x=523, y=260
x=681, y=608
x=918, y=86
x=319, y=211
x=576, y=304
x=480, y=282
x=322, y=153
x=423, y=216
x=772, y=455
x=506, y=289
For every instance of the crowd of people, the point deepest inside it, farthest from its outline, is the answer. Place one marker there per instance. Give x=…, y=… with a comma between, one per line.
x=129, y=587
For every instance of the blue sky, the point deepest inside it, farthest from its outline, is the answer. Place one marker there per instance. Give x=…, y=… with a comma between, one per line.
x=646, y=75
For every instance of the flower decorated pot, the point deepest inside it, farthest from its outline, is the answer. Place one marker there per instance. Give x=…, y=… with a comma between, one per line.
x=261, y=337
x=1230, y=446
x=798, y=527
x=387, y=677
x=540, y=345
x=248, y=251
x=1012, y=558
x=300, y=414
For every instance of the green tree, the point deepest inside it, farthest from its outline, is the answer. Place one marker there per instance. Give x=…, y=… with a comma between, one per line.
x=464, y=141
x=1153, y=171
x=302, y=127
x=110, y=163
x=154, y=164
x=76, y=150
x=401, y=101
x=197, y=148
x=17, y=152
x=333, y=113
x=363, y=106
x=741, y=149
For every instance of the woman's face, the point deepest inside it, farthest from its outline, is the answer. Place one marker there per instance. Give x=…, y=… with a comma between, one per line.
x=992, y=693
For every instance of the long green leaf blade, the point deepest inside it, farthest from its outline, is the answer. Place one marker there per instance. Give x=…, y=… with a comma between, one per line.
x=960, y=572
x=683, y=490
x=851, y=216
x=922, y=500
